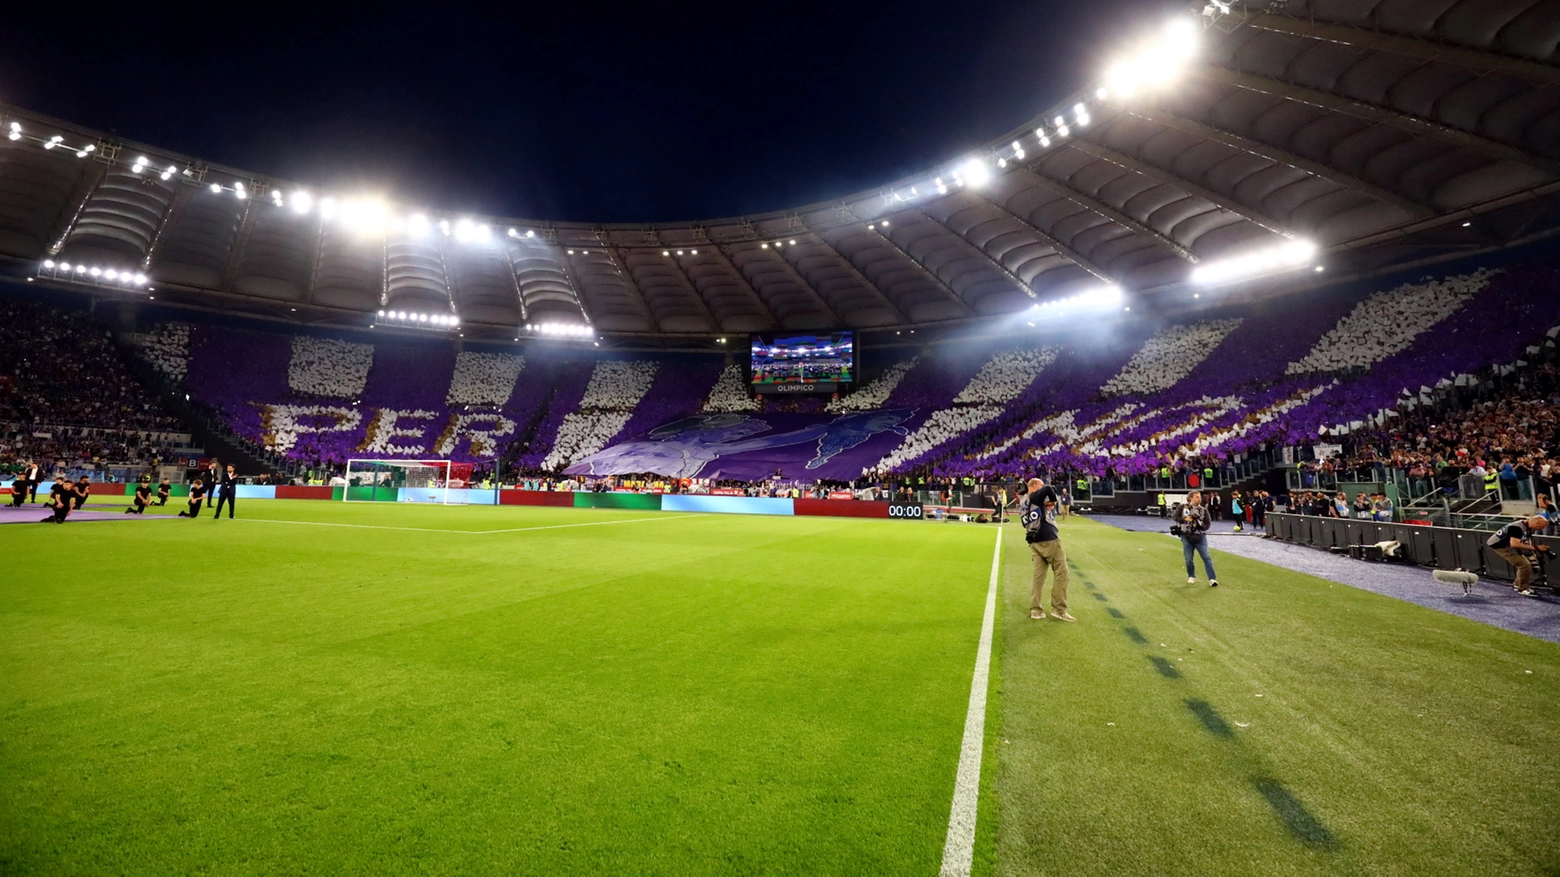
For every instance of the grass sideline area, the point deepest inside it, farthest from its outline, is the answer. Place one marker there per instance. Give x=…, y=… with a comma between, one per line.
x=404, y=689
x=1278, y=724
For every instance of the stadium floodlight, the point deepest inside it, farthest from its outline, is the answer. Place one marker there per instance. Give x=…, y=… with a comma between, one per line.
x=302, y=201
x=140, y=279
x=1155, y=63
x=16, y=131
x=214, y=188
x=48, y=263
x=975, y=172
x=1287, y=256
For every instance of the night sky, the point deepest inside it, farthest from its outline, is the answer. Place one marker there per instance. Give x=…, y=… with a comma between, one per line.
x=570, y=111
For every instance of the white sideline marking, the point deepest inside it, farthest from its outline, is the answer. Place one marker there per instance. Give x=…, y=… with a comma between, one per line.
x=469, y=532
x=959, y=848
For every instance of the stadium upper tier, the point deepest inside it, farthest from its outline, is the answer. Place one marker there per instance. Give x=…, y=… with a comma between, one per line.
x=1238, y=140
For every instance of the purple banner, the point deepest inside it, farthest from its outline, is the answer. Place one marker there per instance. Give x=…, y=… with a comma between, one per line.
x=752, y=447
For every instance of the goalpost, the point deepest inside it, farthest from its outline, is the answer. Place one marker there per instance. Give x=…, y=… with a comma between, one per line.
x=439, y=482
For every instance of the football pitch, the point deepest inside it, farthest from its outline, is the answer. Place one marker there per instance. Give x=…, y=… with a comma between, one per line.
x=387, y=689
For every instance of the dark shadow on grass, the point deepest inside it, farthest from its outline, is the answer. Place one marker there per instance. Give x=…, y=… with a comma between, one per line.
x=1100, y=597
x=1135, y=635
x=1299, y=821
x=1210, y=718
x=1165, y=668
x=1115, y=613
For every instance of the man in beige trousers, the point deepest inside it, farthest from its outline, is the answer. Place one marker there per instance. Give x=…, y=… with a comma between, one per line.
x=1037, y=514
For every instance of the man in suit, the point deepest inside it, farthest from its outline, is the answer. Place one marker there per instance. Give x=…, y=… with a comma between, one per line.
x=33, y=474
x=227, y=492
x=211, y=477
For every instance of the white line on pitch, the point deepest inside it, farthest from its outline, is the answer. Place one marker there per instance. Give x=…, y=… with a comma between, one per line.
x=959, y=848
x=463, y=532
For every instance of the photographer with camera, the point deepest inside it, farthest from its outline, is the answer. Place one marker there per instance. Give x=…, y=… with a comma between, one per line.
x=1037, y=515
x=1514, y=542
x=1191, y=526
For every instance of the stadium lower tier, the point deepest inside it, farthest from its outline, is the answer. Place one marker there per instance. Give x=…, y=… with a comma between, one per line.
x=1121, y=399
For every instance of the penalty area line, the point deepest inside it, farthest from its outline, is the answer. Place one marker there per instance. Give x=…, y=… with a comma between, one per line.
x=460, y=532
x=959, y=847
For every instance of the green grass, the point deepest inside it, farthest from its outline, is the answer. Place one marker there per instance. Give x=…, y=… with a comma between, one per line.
x=499, y=690
x=1278, y=724
x=680, y=695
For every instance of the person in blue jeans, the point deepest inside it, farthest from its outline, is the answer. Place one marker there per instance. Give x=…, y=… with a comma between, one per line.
x=1194, y=522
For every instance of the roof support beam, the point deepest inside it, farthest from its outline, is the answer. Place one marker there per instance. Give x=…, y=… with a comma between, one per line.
x=693, y=289
x=947, y=290
x=1045, y=237
x=628, y=277
x=1168, y=119
x=1377, y=115
x=840, y=260
x=1105, y=153
x=817, y=296
x=562, y=259
x=1022, y=285
x=1478, y=60
x=235, y=256
x=86, y=186
x=720, y=254
x=176, y=204
x=1063, y=190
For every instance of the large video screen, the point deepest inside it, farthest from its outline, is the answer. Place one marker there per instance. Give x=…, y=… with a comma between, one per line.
x=815, y=362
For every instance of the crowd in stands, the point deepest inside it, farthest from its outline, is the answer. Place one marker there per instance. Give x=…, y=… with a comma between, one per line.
x=874, y=393
x=66, y=396
x=1388, y=322
x=730, y=392
x=486, y=379
x=614, y=391
x=1512, y=433
x=327, y=367
x=1168, y=357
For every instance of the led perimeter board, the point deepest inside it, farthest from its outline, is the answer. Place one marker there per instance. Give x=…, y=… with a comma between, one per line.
x=803, y=363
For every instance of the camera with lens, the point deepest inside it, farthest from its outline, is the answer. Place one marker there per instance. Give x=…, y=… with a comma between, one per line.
x=1175, y=529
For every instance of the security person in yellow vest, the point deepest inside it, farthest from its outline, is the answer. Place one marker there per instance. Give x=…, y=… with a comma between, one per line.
x=1491, y=480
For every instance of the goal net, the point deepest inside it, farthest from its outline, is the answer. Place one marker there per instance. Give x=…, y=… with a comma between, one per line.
x=440, y=482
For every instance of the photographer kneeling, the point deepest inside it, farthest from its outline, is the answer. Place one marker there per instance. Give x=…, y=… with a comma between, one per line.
x=1191, y=525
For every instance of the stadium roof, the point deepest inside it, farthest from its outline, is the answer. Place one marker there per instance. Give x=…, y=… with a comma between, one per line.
x=1388, y=133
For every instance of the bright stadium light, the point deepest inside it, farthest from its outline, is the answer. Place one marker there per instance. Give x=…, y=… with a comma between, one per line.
x=1287, y=256
x=1155, y=63
x=975, y=172
x=302, y=201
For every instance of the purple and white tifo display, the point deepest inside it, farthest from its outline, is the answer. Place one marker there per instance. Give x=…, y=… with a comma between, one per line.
x=751, y=447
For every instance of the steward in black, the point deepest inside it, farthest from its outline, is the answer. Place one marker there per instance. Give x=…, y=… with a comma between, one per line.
x=143, y=498
x=197, y=496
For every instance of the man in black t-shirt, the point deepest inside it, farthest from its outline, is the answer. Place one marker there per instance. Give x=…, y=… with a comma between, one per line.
x=60, y=496
x=1037, y=514
x=1514, y=542
x=164, y=490
x=142, y=499
x=197, y=496
x=19, y=489
x=83, y=490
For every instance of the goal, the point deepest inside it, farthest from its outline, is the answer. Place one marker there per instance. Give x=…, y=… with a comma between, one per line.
x=440, y=482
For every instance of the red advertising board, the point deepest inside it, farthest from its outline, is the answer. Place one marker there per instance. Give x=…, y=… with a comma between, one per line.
x=559, y=498
x=833, y=509
x=727, y=491
x=841, y=494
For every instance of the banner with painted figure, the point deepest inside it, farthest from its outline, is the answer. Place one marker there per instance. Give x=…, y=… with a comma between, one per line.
x=752, y=447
